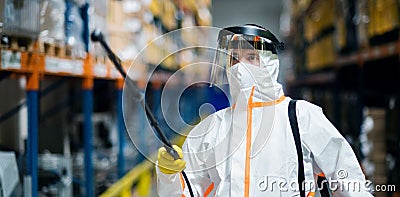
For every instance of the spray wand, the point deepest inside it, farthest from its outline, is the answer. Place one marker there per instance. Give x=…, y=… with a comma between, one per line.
x=97, y=36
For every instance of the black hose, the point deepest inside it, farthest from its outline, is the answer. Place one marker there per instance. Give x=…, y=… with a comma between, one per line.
x=97, y=36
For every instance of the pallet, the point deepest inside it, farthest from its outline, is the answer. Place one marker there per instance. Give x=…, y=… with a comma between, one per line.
x=100, y=59
x=20, y=44
x=68, y=50
x=56, y=50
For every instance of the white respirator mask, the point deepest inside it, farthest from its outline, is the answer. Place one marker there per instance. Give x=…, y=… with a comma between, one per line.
x=243, y=76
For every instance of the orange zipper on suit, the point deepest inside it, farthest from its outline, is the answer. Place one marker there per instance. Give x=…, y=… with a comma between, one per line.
x=250, y=106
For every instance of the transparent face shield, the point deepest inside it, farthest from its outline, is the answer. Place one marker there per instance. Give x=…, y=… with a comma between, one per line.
x=235, y=48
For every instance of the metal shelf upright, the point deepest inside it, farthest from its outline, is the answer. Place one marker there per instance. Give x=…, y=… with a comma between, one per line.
x=121, y=128
x=34, y=63
x=87, y=124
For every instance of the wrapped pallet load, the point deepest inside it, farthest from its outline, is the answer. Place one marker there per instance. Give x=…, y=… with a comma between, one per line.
x=21, y=22
x=52, y=23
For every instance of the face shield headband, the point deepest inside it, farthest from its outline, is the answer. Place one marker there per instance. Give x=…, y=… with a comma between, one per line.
x=272, y=43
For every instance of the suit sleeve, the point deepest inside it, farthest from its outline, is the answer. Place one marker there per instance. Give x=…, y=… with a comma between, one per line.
x=331, y=152
x=196, y=169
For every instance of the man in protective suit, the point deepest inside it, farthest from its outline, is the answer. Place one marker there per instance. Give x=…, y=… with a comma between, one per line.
x=249, y=149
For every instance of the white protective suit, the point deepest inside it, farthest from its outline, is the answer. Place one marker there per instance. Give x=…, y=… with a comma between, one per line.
x=249, y=150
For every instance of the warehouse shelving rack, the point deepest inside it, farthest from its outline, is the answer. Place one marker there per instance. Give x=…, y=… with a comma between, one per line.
x=331, y=79
x=367, y=77
x=357, y=58
x=36, y=66
x=330, y=76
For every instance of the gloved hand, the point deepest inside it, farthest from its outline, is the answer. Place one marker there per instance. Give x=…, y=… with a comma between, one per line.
x=167, y=163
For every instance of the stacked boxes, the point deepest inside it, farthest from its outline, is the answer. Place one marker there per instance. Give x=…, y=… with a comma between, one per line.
x=383, y=21
x=318, y=35
x=341, y=27
x=377, y=156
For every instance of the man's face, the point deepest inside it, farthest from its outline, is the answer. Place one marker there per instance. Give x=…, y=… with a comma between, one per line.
x=250, y=56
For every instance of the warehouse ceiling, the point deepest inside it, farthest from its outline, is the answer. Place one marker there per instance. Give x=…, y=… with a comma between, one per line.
x=266, y=13
x=236, y=12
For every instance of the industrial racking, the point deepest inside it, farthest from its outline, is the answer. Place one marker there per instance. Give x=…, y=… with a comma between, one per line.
x=35, y=65
x=366, y=77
